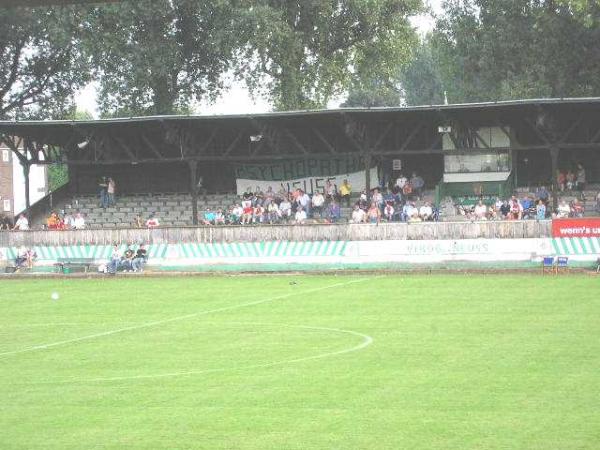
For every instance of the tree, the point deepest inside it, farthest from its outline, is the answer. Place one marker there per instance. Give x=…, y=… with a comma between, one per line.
x=507, y=49
x=301, y=53
x=421, y=79
x=158, y=57
x=40, y=63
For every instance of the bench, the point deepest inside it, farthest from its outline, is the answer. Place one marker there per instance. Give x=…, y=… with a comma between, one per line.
x=64, y=265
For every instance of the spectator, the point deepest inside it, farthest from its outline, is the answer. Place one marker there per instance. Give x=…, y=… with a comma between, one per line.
x=53, y=222
x=285, y=208
x=401, y=182
x=480, y=211
x=505, y=209
x=345, y=191
x=362, y=200
x=528, y=207
x=417, y=184
x=388, y=211
x=561, y=180
x=258, y=214
x=141, y=257
x=22, y=223
x=25, y=258
x=219, y=217
x=68, y=221
x=374, y=213
x=333, y=211
x=110, y=192
x=540, y=210
x=330, y=190
x=598, y=202
x=208, y=217
x=137, y=221
x=5, y=223
x=304, y=201
x=300, y=215
x=127, y=260
x=426, y=212
x=115, y=260
x=318, y=201
x=571, y=180
x=79, y=221
x=358, y=215
x=542, y=194
x=564, y=210
x=580, y=179
x=516, y=209
x=102, y=186
x=577, y=208
x=377, y=198
x=152, y=221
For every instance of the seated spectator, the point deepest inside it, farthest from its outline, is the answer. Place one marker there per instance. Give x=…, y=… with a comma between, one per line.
x=409, y=211
x=389, y=211
x=152, y=221
x=300, y=215
x=305, y=202
x=516, y=209
x=577, y=209
x=273, y=215
x=68, y=221
x=564, y=210
x=208, y=217
x=401, y=182
x=258, y=215
x=127, y=260
x=78, y=222
x=407, y=190
x=22, y=223
x=540, y=210
x=235, y=215
x=53, y=221
x=377, y=198
x=141, y=257
x=358, y=215
x=318, y=202
x=505, y=209
x=219, y=217
x=247, y=212
x=285, y=208
x=25, y=258
x=480, y=212
x=334, y=213
x=137, y=221
x=528, y=207
x=5, y=223
x=571, y=180
x=598, y=202
x=426, y=212
x=374, y=213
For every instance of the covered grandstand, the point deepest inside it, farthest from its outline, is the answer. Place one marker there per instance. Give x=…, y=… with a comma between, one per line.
x=460, y=150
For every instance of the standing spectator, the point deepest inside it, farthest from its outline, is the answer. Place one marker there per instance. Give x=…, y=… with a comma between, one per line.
x=318, y=201
x=22, y=223
x=571, y=180
x=102, y=186
x=330, y=190
x=561, y=180
x=542, y=194
x=300, y=215
x=152, y=221
x=540, y=210
x=345, y=191
x=333, y=211
x=417, y=184
x=580, y=179
x=110, y=192
x=115, y=260
x=598, y=202
x=79, y=221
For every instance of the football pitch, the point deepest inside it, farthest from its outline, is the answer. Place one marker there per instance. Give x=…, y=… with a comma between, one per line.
x=301, y=362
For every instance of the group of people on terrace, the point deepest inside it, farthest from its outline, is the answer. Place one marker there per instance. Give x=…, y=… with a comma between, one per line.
x=298, y=206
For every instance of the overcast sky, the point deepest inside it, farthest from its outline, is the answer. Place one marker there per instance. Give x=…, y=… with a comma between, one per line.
x=237, y=100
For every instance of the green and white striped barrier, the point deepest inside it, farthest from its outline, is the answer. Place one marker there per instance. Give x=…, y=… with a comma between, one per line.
x=576, y=246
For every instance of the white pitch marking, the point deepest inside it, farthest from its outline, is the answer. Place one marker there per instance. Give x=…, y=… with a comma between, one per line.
x=173, y=319
x=367, y=340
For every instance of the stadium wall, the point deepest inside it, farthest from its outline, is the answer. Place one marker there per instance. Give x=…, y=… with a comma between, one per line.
x=330, y=255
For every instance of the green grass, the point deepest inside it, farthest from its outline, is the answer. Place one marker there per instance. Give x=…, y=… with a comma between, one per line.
x=456, y=362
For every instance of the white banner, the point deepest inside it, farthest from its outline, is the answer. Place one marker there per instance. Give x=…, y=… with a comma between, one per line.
x=310, y=184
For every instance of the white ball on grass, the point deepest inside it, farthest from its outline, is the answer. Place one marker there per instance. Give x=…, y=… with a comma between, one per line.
x=54, y=296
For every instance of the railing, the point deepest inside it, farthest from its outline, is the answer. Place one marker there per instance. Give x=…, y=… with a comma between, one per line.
x=342, y=232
